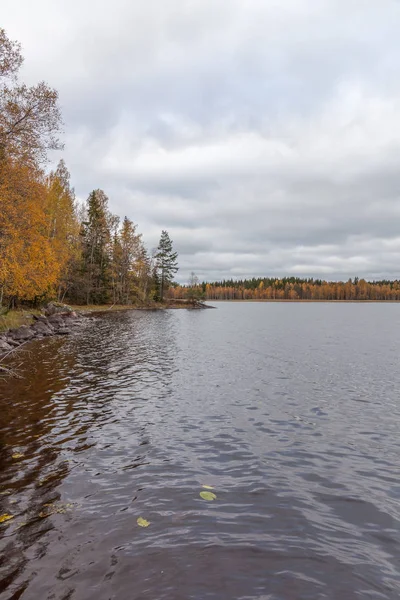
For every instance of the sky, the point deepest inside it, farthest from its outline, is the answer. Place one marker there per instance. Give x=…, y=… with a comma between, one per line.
x=264, y=135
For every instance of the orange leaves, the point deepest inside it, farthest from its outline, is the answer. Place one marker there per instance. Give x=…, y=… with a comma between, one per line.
x=296, y=289
x=28, y=264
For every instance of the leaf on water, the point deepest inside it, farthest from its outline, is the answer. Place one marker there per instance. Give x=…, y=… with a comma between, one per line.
x=208, y=496
x=17, y=455
x=54, y=509
x=207, y=487
x=5, y=517
x=5, y=493
x=142, y=522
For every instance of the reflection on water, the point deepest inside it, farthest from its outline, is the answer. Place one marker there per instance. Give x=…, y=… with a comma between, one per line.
x=291, y=414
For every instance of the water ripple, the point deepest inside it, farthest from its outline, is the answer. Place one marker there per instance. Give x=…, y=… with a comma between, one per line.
x=291, y=414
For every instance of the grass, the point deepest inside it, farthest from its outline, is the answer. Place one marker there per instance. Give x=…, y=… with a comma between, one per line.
x=15, y=318
x=104, y=307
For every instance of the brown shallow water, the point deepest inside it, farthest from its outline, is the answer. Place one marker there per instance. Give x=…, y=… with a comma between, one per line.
x=290, y=411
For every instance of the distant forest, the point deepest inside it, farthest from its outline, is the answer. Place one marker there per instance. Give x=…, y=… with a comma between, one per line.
x=293, y=288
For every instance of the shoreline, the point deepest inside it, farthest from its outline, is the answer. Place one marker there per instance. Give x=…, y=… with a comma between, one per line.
x=14, y=318
x=20, y=327
x=304, y=300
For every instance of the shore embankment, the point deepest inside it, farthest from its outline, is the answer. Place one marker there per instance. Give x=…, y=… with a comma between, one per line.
x=20, y=327
x=55, y=320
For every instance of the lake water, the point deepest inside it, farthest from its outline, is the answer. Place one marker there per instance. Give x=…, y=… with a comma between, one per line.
x=291, y=412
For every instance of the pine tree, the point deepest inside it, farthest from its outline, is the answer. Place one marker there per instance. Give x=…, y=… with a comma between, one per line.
x=166, y=262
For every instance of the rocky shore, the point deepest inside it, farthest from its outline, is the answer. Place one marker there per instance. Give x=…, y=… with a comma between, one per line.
x=61, y=319
x=58, y=319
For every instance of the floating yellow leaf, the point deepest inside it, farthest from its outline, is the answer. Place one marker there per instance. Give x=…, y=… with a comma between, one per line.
x=142, y=522
x=208, y=495
x=5, y=517
x=54, y=509
x=207, y=487
x=17, y=455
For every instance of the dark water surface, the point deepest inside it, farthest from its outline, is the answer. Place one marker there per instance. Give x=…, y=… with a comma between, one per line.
x=290, y=411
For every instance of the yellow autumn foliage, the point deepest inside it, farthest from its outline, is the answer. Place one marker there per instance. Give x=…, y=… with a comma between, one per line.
x=5, y=517
x=28, y=265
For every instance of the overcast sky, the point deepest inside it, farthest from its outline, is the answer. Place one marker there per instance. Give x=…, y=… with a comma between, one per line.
x=264, y=135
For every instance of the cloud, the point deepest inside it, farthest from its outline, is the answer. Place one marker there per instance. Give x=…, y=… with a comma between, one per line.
x=264, y=135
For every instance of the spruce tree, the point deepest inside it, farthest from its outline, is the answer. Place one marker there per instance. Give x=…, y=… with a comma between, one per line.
x=96, y=238
x=166, y=262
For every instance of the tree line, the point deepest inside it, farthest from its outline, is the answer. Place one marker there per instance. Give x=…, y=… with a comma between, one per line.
x=292, y=288
x=51, y=247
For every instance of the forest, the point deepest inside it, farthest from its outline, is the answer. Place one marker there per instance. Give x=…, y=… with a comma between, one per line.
x=51, y=246
x=293, y=288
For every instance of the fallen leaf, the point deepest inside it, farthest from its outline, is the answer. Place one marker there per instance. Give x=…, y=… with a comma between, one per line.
x=18, y=455
x=5, y=517
x=208, y=496
x=142, y=522
x=207, y=487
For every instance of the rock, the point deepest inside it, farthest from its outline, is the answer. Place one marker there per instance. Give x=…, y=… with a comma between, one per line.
x=5, y=347
x=56, y=321
x=54, y=308
x=71, y=315
x=41, y=318
x=42, y=328
x=61, y=322
x=22, y=334
x=12, y=342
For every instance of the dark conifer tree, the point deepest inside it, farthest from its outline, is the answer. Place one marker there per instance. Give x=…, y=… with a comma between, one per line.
x=166, y=262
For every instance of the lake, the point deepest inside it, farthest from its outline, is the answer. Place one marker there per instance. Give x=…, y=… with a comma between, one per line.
x=290, y=412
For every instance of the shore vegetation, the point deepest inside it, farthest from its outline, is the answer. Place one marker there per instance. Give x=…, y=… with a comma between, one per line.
x=53, y=247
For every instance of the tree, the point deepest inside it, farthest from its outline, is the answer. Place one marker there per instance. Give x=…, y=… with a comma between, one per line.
x=143, y=267
x=166, y=262
x=62, y=225
x=126, y=255
x=97, y=234
x=10, y=56
x=30, y=117
x=195, y=290
x=28, y=265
